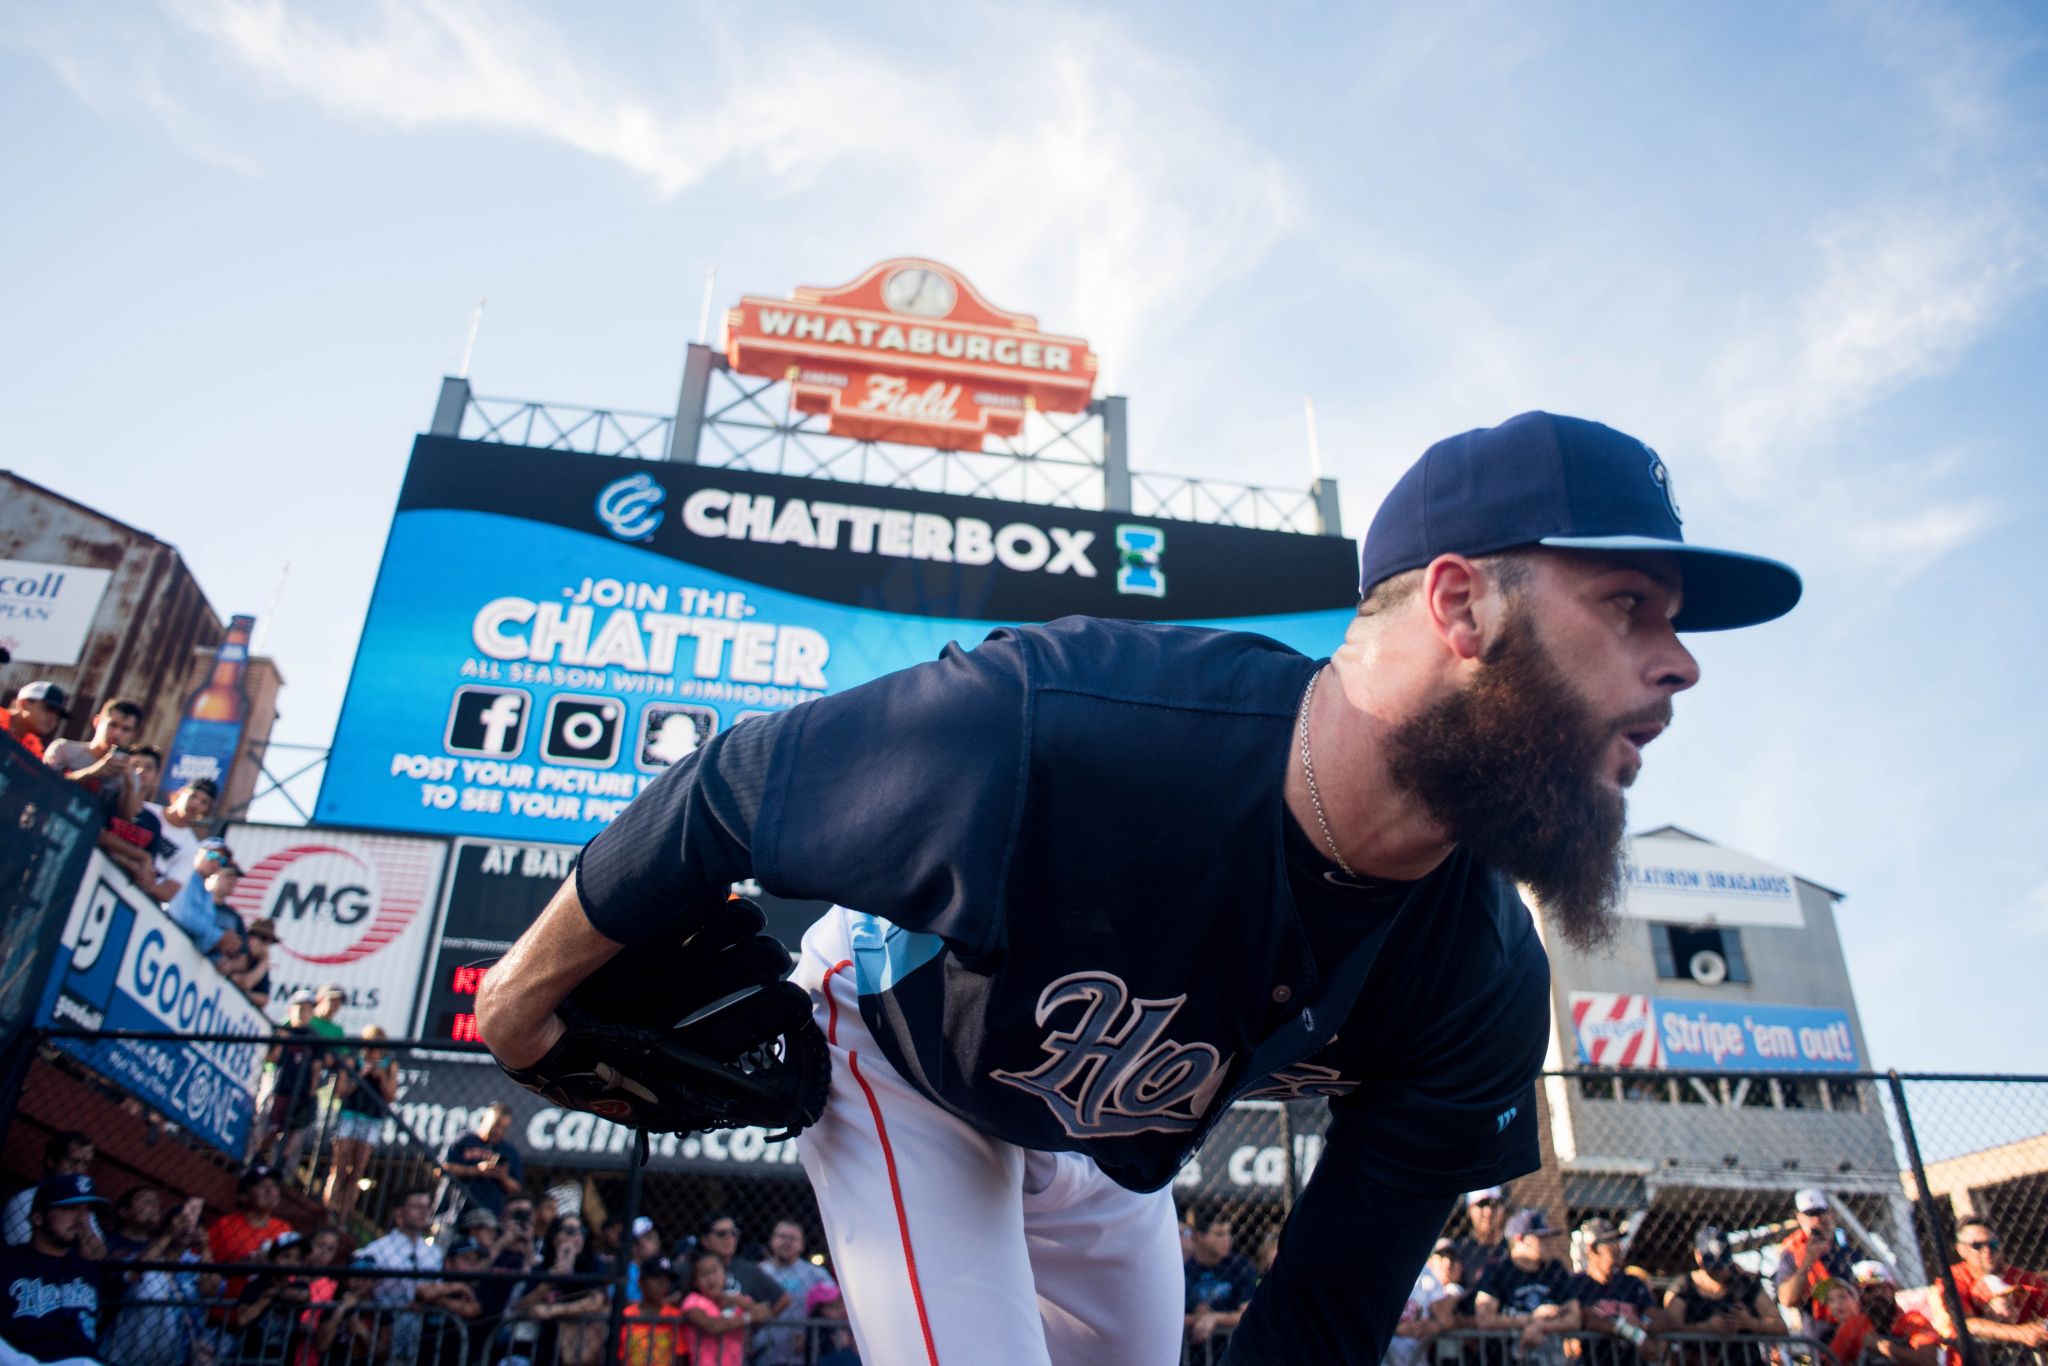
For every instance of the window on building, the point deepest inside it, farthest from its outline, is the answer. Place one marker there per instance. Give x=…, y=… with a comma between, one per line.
x=1675, y=947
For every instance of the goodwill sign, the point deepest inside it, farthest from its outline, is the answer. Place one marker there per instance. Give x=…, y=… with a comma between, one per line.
x=124, y=965
x=1616, y=1030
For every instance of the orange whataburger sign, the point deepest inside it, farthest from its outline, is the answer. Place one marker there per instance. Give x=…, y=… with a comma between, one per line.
x=910, y=351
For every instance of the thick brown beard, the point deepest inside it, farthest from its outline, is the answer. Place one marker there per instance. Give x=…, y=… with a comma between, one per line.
x=1511, y=765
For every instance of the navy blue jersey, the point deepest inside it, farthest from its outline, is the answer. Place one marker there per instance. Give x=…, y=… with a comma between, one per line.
x=1080, y=924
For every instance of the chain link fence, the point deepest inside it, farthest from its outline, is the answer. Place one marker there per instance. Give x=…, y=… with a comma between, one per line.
x=1941, y=1181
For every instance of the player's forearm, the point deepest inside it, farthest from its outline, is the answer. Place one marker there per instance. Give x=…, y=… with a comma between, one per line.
x=515, y=1007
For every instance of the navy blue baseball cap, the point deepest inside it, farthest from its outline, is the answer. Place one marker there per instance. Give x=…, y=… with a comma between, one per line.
x=67, y=1189
x=1542, y=479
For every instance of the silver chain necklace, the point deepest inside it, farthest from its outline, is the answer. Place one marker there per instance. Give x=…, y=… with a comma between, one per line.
x=1308, y=771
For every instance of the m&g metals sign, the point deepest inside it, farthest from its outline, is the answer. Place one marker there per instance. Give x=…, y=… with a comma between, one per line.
x=909, y=351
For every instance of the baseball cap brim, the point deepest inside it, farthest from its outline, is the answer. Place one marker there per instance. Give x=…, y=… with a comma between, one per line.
x=1724, y=589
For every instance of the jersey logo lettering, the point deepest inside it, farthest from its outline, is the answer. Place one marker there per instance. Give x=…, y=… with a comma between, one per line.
x=1112, y=1071
x=1300, y=1082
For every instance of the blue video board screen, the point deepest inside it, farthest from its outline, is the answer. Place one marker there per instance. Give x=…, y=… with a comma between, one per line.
x=550, y=630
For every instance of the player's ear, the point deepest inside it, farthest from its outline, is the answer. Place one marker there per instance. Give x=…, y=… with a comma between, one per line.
x=1452, y=587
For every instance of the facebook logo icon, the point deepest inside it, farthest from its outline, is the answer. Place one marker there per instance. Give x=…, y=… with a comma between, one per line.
x=488, y=721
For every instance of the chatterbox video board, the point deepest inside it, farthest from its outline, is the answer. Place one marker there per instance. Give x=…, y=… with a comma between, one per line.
x=550, y=630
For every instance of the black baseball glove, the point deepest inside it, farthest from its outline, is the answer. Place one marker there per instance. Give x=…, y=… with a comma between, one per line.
x=706, y=1033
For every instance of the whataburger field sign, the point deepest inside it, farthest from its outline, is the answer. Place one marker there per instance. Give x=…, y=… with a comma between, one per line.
x=909, y=351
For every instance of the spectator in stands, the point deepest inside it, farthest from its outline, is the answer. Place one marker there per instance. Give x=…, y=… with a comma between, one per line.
x=249, y=968
x=1720, y=1298
x=323, y=1249
x=1526, y=1292
x=69, y=1153
x=1981, y=1275
x=152, y=1326
x=35, y=713
x=1812, y=1253
x=100, y=764
x=571, y=1316
x=366, y=1084
x=49, y=1291
x=406, y=1248
x=715, y=1318
x=267, y=1309
x=200, y=908
x=484, y=1162
x=511, y=1249
x=327, y=1004
x=835, y=1345
x=235, y=1237
x=1428, y=1310
x=292, y=1073
x=1610, y=1300
x=653, y=1335
x=1219, y=1283
x=441, y=1342
x=787, y=1267
x=1487, y=1244
x=721, y=1234
x=1871, y=1321
x=189, y=808
x=138, y=837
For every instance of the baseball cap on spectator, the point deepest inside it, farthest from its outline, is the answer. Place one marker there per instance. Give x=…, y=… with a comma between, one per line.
x=289, y=1238
x=331, y=989
x=264, y=928
x=1596, y=1231
x=1713, y=1246
x=478, y=1218
x=642, y=1226
x=1530, y=1223
x=657, y=1266
x=1493, y=1193
x=1826, y=1287
x=1444, y=1247
x=47, y=693
x=254, y=1175
x=70, y=1188
x=1541, y=479
x=823, y=1293
x=1872, y=1273
x=468, y=1247
x=1811, y=1201
x=301, y=997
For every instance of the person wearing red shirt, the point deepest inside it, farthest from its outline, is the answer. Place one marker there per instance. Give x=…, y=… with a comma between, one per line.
x=1979, y=1274
x=1872, y=1320
x=236, y=1237
x=35, y=713
x=1811, y=1254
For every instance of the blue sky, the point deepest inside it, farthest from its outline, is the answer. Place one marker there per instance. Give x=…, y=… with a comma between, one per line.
x=1799, y=249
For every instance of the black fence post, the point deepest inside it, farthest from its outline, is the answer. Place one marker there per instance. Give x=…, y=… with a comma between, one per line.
x=14, y=1075
x=636, y=1156
x=1938, y=1230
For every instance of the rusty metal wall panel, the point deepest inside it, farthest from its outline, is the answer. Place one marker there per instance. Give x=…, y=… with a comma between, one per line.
x=153, y=616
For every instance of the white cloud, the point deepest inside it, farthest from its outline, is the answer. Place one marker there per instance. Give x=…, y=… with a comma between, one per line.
x=1898, y=298
x=1082, y=164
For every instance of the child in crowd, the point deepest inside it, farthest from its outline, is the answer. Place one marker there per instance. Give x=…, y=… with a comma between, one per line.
x=653, y=1335
x=714, y=1332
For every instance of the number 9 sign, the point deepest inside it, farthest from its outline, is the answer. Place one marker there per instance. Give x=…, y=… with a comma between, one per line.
x=94, y=927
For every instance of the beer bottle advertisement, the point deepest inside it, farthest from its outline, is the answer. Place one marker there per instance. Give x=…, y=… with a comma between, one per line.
x=210, y=727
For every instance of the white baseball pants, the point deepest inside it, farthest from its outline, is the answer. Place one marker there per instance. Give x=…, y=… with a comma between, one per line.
x=955, y=1249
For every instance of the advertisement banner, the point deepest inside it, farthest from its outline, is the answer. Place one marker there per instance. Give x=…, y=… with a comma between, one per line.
x=352, y=908
x=124, y=965
x=211, y=723
x=46, y=610
x=550, y=630
x=1712, y=1036
x=1690, y=882
x=441, y=1098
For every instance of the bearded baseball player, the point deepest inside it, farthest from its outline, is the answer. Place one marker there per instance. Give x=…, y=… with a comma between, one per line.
x=1095, y=881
